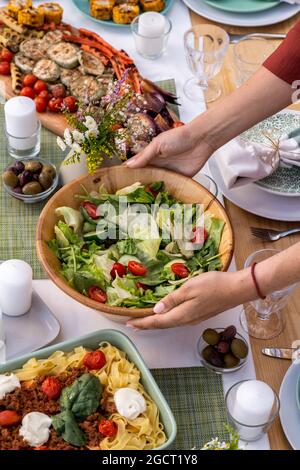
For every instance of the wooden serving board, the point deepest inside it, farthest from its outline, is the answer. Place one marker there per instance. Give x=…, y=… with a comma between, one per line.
x=55, y=122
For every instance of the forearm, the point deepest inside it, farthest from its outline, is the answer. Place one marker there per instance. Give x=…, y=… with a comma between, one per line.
x=263, y=95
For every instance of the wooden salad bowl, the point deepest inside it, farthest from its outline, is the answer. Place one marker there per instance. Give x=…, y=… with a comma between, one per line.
x=114, y=178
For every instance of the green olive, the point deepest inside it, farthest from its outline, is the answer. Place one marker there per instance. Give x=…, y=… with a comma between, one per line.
x=239, y=348
x=231, y=361
x=32, y=188
x=211, y=336
x=10, y=179
x=49, y=170
x=33, y=166
x=45, y=180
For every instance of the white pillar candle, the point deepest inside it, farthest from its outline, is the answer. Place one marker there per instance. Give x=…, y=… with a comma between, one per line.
x=15, y=287
x=151, y=31
x=21, y=122
x=253, y=406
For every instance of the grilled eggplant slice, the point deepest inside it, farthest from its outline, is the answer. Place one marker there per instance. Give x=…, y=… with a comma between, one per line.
x=64, y=54
x=67, y=76
x=35, y=49
x=16, y=78
x=46, y=70
x=53, y=37
x=24, y=63
x=90, y=63
x=87, y=89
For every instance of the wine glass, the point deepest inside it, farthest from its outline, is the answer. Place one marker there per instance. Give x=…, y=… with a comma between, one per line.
x=263, y=318
x=205, y=49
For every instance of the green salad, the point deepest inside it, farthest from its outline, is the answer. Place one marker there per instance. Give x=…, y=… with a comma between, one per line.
x=126, y=249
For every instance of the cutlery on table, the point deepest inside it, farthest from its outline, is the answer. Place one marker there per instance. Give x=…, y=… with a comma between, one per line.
x=272, y=235
x=280, y=353
x=235, y=38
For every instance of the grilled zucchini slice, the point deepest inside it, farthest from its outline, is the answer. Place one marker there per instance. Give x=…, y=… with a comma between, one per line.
x=24, y=63
x=67, y=76
x=46, y=70
x=53, y=37
x=52, y=12
x=88, y=88
x=64, y=54
x=16, y=78
x=35, y=49
x=90, y=63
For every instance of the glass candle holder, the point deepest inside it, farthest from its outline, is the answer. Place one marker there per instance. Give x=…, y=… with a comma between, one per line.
x=252, y=407
x=151, y=36
x=22, y=148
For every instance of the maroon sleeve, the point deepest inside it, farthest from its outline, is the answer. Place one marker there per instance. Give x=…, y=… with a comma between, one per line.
x=285, y=61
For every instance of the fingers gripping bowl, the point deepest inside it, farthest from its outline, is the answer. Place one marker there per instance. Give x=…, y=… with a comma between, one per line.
x=180, y=188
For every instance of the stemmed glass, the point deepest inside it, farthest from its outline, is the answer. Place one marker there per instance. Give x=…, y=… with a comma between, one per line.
x=205, y=49
x=263, y=319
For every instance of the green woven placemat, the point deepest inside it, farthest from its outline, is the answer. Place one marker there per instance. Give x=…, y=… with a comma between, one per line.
x=18, y=220
x=196, y=399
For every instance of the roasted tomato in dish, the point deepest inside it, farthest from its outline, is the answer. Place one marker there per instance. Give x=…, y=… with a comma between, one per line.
x=27, y=91
x=97, y=294
x=9, y=418
x=6, y=55
x=108, y=428
x=29, y=80
x=70, y=103
x=40, y=104
x=39, y=86
x=180, y=270
x=200, y=235
x=94, y=360
x=91, y=209
x=52, y=387
x=55, y=104
x=119, y=269
x=4, y=68
x=137, y=269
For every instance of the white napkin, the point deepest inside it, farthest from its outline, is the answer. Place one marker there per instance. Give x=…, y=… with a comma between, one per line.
x=243, y=162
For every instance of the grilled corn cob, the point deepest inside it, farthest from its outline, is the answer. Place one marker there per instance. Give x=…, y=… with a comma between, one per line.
x=153, y=5
x=125, y=13
x=101, y=9
x=14, y=6
x=52, y=12
x=31, y=17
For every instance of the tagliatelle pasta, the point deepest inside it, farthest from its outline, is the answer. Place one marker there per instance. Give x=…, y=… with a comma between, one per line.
x=143, y=433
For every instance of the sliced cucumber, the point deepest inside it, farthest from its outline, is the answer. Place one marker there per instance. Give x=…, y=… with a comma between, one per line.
x=64, y=54
x=96, y=235
x=126, y=258
x=46, y=70
x=24, y=63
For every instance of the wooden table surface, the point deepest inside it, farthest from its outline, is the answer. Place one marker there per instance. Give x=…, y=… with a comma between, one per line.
x=267, y=369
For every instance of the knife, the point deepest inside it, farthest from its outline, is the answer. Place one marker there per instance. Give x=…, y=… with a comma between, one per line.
x=281, y=353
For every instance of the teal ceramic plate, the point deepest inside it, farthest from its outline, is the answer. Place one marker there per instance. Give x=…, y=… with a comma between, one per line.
x=84, y=7
x=122, y=342
x=243, y=6
x=284, y=181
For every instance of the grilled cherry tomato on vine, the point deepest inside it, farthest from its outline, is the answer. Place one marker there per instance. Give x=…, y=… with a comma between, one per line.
x=97, y=294
x=137, y=269
x=180, y=270
x=200, y=235
x=39, y=86
x=94, y=360
x=108, y=428
x=70, y=103
x=6, y=55
x=9, y=418
x=29, y=80
x=177, y=124
x=40, y=104
x=55, y=104
x=52, y=387
x=58, y=91
x=91, y=209
x=118, y=269
x=27, y=91
x=4, y=68
x=45, y=95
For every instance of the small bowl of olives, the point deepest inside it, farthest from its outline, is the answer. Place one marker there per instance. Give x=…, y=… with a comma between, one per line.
x=223, y=350
x=30, y=180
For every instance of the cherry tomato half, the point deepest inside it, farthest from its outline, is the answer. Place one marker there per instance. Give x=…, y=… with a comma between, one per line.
x=39, y=86
x=137, y=269
x=70, y=103
x=91, y=209
x=97, y=294
x=9, y=418
x=200, y=235
x=108, y=428
x=94, y=360
x=177, y=124
x=29, y=80
x=119, y=269
x=180, y=270
x=27, y=91
x=4, y=68
x=51, y=387
x=55, y=105
x=6, y=55
x=40, y=104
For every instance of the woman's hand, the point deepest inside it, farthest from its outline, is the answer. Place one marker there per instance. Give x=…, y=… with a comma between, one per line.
x=181, y=149
x=199, y=299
